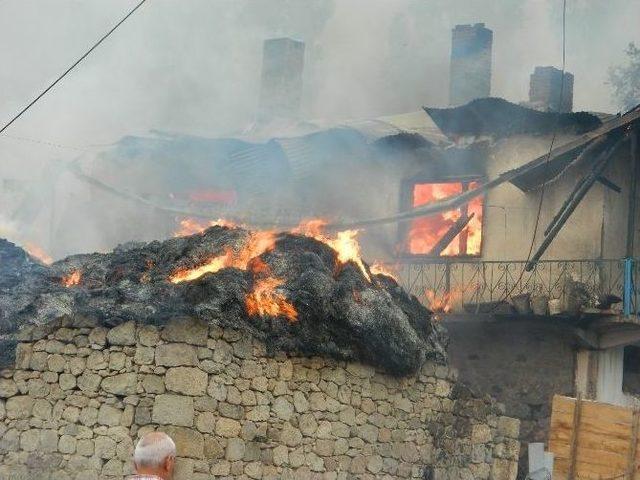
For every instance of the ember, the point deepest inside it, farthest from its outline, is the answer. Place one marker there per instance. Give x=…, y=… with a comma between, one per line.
x=191, y=226
x=257, y=244
x=72, y=279
x=345, y=242
x=378, y=268
x=265, y=300
x=441, y=303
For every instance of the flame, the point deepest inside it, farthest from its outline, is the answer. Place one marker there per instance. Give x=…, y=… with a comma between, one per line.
x=38, y=253
x=442, y=303
x=425, y=232
x=257, y=243
x=378, y=268
x=265, y=300
x=345, y=243
x=72, y=279
x=191, y=226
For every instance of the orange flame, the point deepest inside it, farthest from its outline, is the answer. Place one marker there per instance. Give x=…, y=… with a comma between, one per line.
x=345, y=242
x=38, y=253
x=378, y=268
x=442, y=303
x=264, y=299
x=191, y=226
x=256, y=244
x=72, y=279
x=425, y=232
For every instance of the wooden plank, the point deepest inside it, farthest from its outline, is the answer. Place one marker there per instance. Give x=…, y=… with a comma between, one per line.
x=633, y=446
x=592, y=440
x=573, y=452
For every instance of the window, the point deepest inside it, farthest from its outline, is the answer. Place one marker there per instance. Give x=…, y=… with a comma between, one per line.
x=453, y=233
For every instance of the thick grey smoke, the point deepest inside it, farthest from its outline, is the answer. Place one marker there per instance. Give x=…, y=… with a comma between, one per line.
x=193, y=66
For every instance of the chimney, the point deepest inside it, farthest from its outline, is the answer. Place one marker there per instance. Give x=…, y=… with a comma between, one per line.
x=281, y=88
x=545, y=88
x=470, y=75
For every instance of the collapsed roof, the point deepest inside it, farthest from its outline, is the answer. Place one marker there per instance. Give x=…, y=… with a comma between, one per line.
x=496, y=117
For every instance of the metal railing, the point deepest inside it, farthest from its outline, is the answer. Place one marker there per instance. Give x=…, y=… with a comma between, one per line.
x=469, y=284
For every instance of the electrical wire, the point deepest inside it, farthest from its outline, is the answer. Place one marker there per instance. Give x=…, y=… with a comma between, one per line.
x=68, y=70
x=553, y=141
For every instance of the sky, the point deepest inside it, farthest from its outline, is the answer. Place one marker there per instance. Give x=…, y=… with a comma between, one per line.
x=193, y=66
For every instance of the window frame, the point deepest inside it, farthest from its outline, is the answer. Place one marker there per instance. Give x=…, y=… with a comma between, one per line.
x=406, y=203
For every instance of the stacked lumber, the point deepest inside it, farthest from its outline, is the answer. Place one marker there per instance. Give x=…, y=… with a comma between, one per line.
x=593, y=441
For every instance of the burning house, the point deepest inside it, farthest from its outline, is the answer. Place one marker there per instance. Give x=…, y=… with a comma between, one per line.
x=448, y=201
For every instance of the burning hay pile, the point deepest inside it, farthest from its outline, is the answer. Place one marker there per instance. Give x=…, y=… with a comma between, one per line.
x=300, y=292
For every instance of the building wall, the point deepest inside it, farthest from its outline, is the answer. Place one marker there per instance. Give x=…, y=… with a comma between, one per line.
x=80, y=395
x=521, y=364
x=511, y=214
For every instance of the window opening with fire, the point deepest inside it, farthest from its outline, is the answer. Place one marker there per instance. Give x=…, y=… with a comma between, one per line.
x=456, y=232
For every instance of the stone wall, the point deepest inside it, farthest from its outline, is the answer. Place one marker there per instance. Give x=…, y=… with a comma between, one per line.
x=80, y=395
x=521, y=364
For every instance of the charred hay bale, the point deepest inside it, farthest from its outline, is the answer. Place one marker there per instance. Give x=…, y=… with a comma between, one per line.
x=314, y=303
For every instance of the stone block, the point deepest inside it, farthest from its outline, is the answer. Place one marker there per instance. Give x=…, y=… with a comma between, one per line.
x=176, y=354
x=186, y=380
x=19, y=406
x=108, y=415
x=148, y=335
x=186, y=330
x=502, y=469
x=153, y=384
x=8, y=388
x=123, y=334
x=508, y=427
x=122, y=384
x=171, y=409
x=227, y=427
x=105, y=447
x=235, y=449
x=189, y=443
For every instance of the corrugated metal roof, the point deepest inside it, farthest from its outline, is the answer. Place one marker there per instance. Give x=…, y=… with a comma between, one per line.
x=302, y=159
x=563, y=156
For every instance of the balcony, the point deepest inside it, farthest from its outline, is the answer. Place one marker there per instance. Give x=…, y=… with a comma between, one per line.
x=459, y=286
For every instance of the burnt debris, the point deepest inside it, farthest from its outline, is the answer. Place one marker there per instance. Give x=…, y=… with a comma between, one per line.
x=341, y=309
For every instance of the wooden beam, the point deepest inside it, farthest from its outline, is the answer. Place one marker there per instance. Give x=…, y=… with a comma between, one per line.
x=452, y=233
x=601, y=163
x=609, y=184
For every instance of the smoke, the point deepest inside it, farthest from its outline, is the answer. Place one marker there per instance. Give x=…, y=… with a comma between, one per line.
x=193, y=66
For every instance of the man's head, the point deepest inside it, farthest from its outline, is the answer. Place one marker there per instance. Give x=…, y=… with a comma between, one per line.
x=155, y=454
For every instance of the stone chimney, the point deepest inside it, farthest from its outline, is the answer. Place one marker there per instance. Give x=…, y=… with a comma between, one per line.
x=545, y=90
x=281, y=87
x=470, y=75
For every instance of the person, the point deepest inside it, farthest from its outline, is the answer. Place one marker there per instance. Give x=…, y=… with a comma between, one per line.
x=154, y=457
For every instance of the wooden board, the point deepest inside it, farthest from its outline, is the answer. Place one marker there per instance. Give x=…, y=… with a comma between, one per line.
x=593, y=441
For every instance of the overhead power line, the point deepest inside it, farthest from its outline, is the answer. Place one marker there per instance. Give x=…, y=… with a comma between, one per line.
x=536, y=225
x=75, y=64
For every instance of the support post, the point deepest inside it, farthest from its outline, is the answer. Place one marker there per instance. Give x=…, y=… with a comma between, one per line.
x=627, y=297
x=631, y=214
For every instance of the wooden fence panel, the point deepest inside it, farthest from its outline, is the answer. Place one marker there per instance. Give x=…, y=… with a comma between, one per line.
x=593, y=441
